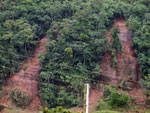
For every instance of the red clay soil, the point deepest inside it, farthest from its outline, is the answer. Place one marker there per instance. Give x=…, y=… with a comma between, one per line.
x=94, y=99
x=25, y=80
x=127, y=63
x=127, y=67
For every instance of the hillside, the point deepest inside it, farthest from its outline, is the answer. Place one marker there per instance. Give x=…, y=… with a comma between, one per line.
x=24, y=81
x=101, y=42
x=125, y=75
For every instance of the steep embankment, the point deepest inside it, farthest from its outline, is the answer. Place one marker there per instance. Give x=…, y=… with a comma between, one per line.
x=127, y=68
x=25, y=80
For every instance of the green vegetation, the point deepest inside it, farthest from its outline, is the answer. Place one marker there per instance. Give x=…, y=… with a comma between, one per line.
x=116, y=45
x=76, y=46
x=139, y=24
x=56, y=110
x=118, y=100
x=146, y=87
x=21, y=99
x=76, y=32
x=114, y=101
x=22, y=24
x=17, y=41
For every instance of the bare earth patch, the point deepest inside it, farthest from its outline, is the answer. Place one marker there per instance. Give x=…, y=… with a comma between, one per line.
x=127, y=68
x=25, y=80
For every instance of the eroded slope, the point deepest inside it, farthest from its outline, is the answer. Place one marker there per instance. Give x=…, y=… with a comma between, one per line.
x=26, y=81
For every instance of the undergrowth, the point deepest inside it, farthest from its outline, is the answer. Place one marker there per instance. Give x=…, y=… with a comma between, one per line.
x=20, y=99
x=57, y=110
x=113, y=100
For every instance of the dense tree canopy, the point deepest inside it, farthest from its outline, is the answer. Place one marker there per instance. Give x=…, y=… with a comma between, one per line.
x=139, y=24
x=77, y=44
x=76, y=32
x=22, y=24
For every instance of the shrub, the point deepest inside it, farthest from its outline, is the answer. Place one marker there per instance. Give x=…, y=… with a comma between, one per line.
x=113, y=100
x=146, y=85
x=103, y=105
x=107, y=92
x=56, y=110
x=119, y=100
x=53, y=95
x=21, y=99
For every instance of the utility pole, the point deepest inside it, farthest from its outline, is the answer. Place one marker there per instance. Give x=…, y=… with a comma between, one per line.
x=86, y=98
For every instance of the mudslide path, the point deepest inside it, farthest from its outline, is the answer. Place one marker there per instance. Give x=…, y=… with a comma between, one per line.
x=127, y=67
x=26, y=81
x=126, y=62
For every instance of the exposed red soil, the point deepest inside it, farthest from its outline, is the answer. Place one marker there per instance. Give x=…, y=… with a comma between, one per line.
x=127, y=63
x=25, y=80
x=127, y=67
x=94, y=99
